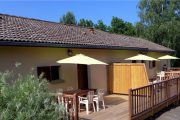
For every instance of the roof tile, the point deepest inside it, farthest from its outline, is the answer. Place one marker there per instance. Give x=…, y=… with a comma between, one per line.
x=13, y=28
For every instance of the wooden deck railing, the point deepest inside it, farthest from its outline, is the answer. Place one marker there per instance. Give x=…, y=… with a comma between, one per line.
x=148, y=100
x=68, y=102
x=175, y=68
x=172, y=74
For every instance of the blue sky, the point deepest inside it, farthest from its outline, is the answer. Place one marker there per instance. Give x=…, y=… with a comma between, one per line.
x=51, y=10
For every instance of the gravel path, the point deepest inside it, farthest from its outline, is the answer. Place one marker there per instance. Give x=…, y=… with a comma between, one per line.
x=172, y=114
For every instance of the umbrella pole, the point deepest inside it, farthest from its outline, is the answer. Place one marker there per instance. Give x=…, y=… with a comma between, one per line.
x=169, y=64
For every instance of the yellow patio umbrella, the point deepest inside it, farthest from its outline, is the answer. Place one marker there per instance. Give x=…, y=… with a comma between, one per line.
x=81, y=59
x=141, y=57
x=167, y=57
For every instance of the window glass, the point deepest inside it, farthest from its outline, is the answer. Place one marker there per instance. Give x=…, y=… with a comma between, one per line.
x=51, y=73
x=133, y=61
x=152, y=64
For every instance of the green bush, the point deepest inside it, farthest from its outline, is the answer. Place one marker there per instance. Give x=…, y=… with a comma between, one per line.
x=27, y=98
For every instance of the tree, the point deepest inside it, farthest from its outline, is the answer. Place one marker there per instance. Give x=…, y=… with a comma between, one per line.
x=129, y=29
x=117, y=25
x=68, y=18
x=100, y=25
x=89, y=23
x=160, y=22
x=121, y=27
x=85, y=23
x=82, y=22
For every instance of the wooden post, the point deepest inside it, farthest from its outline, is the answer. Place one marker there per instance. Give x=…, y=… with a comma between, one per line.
x=130, y=104
x=152, y=99
x=178, y=79
x=177, y=90
x=167, y=92
x=75, y=110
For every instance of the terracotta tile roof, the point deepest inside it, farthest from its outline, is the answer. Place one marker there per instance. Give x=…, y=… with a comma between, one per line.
x=38, y=32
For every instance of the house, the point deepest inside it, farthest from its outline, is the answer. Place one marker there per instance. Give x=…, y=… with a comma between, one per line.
x=38, y=44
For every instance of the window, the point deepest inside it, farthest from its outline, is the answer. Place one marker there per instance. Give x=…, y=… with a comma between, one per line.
x=133, y=61
x=142, y=61
x=152, y=64
x=51, y=73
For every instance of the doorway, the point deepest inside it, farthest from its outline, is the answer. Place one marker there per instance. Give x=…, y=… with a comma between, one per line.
x=82, y=76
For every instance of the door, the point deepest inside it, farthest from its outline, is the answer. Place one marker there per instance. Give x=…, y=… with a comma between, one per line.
x=82, y=76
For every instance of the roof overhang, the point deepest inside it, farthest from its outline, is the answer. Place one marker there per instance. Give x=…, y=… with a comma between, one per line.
x=68, y=45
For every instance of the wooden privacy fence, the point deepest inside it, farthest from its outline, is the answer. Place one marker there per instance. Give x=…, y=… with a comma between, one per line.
x=148, y=100
x=123, y=76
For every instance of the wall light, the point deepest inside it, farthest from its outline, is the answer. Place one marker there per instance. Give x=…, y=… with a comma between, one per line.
x=69, y=52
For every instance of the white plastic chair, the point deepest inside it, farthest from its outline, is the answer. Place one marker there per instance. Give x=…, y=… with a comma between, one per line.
x=161, y=75
x=59, y=93
x=87, y=101
x=60, y=97
x=69, y=88
x=99, y=98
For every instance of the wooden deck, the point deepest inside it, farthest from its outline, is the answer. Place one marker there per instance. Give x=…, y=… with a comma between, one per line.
x=141, y=103
x=116, y=109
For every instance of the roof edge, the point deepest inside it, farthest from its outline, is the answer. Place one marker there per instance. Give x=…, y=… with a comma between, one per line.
x=67, y=45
